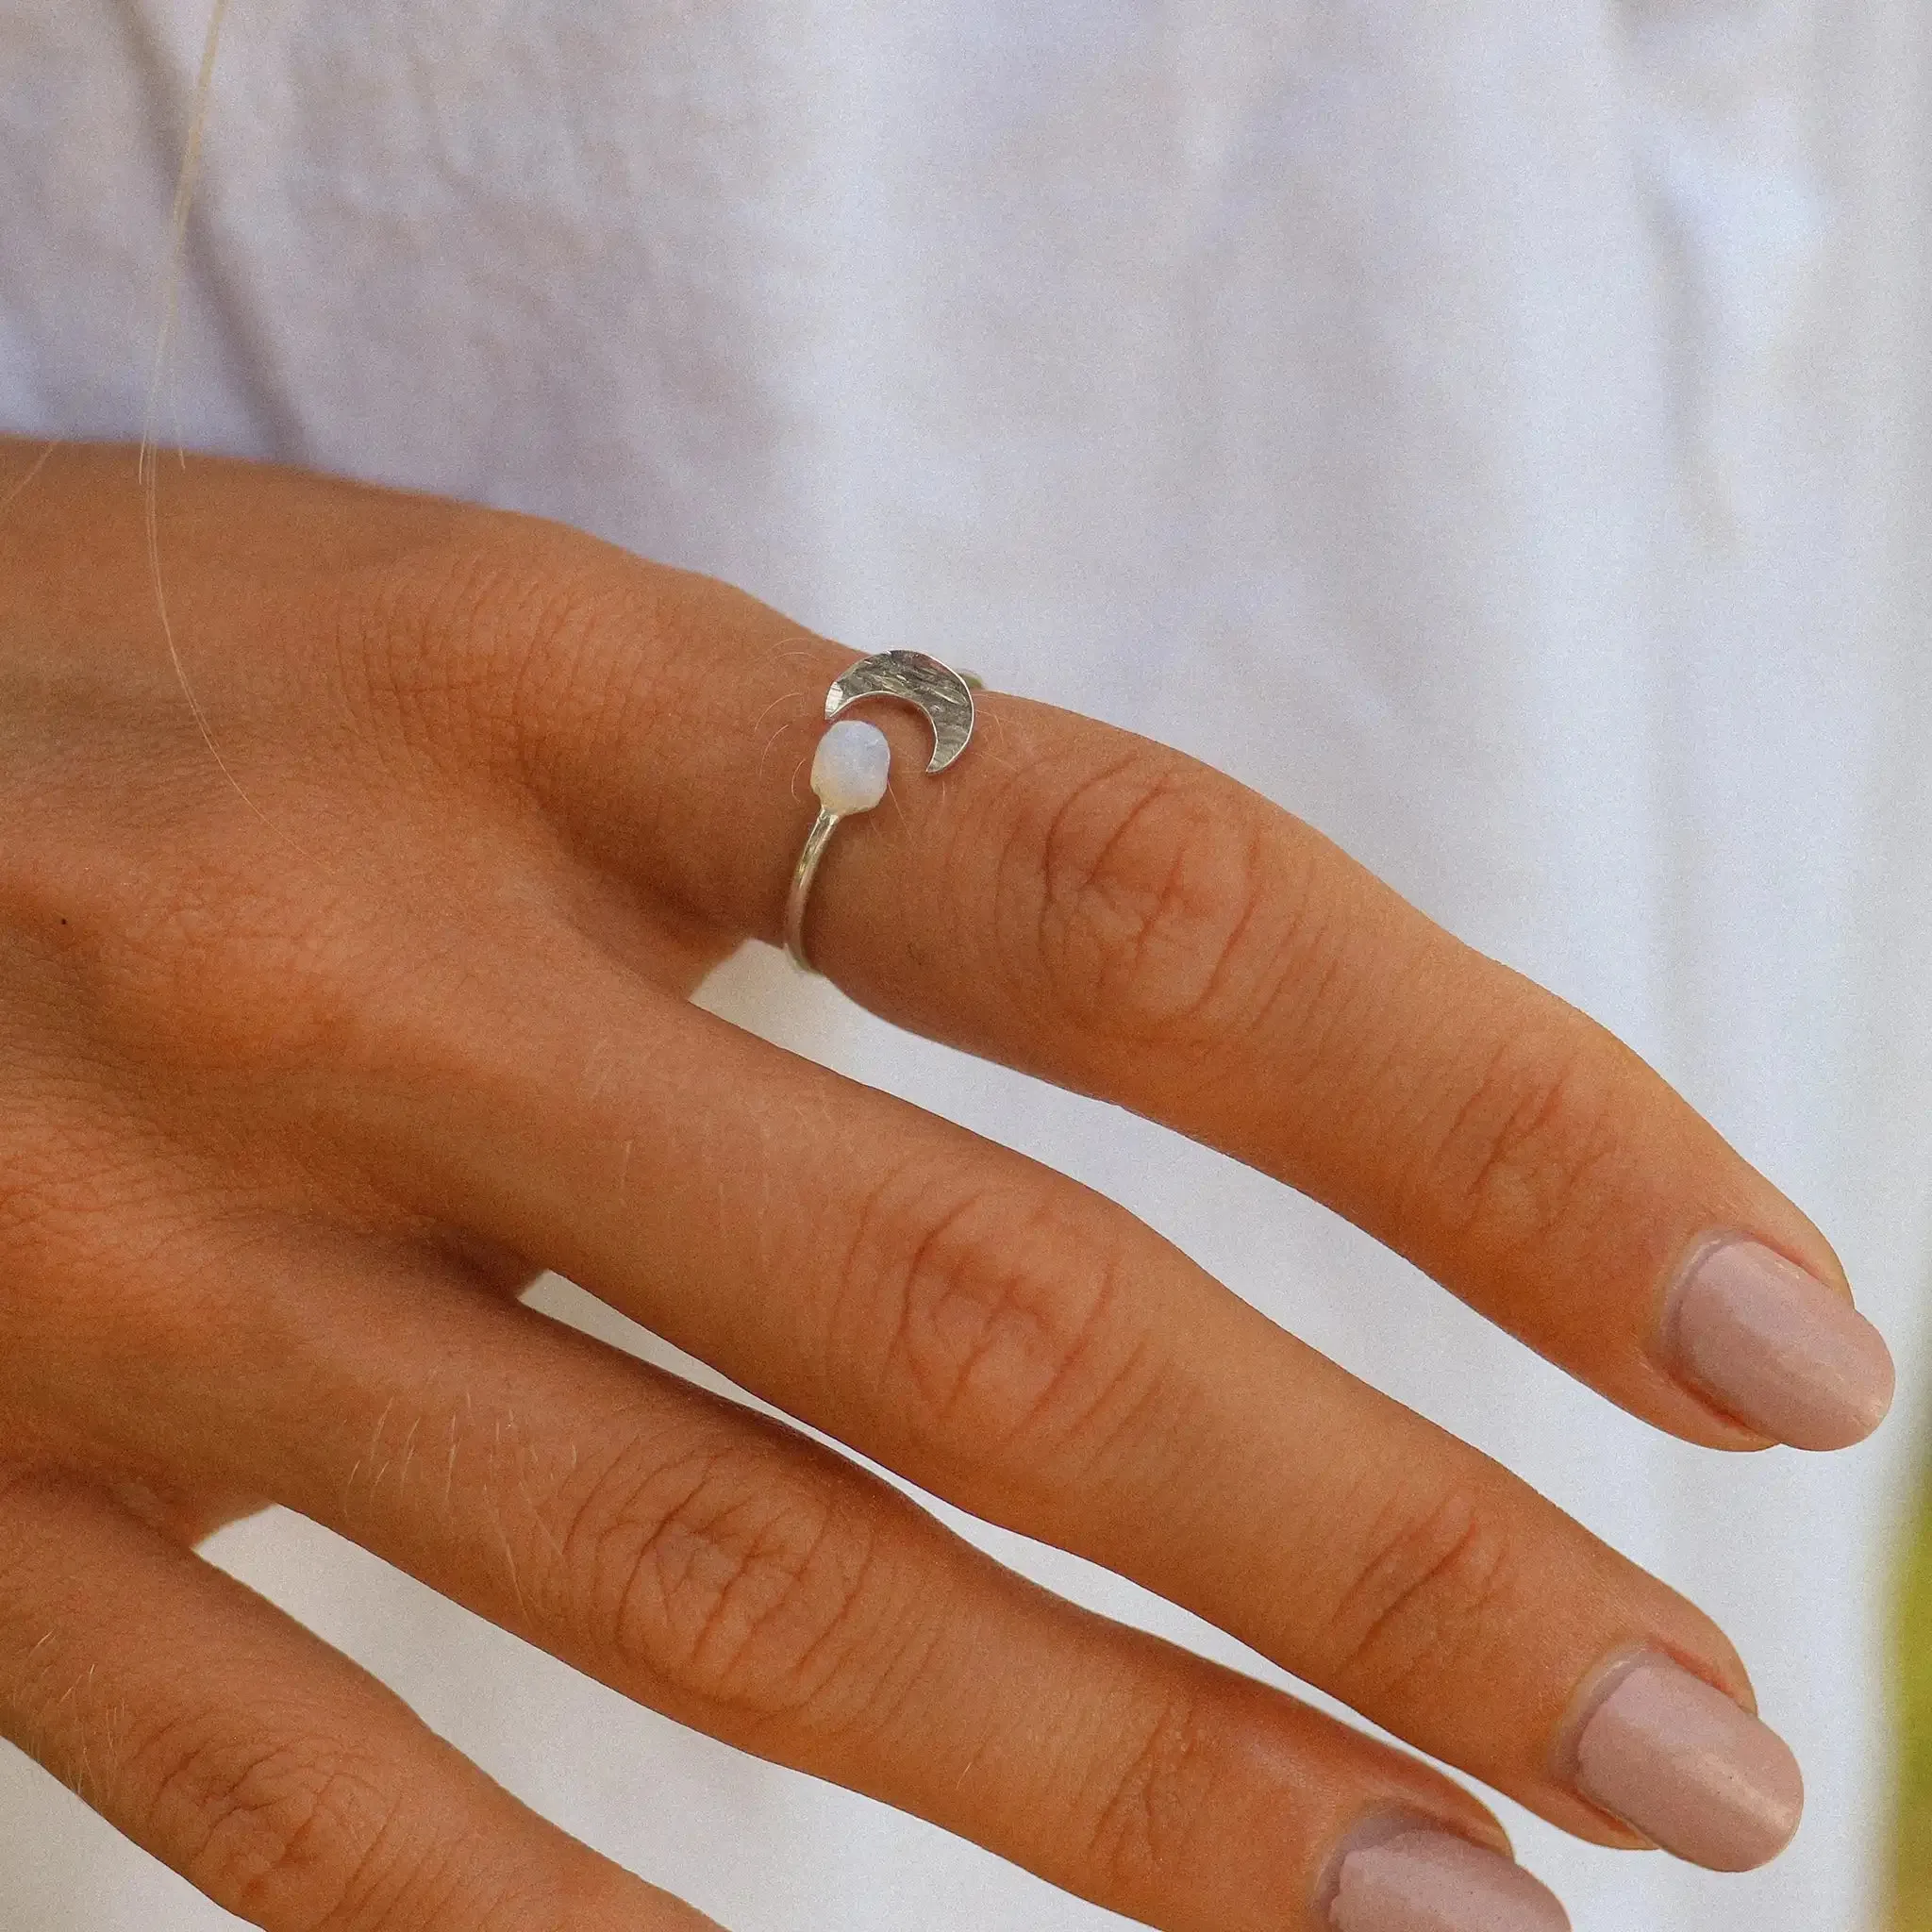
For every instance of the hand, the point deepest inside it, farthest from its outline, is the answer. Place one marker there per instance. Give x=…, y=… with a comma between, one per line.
x=337, y=1005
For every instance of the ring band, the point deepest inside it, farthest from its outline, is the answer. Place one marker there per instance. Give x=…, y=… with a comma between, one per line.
x=853, y=764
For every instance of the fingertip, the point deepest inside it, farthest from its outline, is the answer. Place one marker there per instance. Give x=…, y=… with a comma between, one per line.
x=1775, y=1348
x=1689, y=1767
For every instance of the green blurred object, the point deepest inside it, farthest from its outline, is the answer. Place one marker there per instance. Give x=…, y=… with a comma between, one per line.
x=1914, y=1893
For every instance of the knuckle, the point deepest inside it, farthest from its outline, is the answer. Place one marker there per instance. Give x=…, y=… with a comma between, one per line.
x=1523, y=1153
x=998, y=1319
x=199, y=955
x=433, y=633
x=234, y=981
x=747, y=1586
x=1151, y=877
x=478, y=649
x=239, y=985
x=1144, y=1822
x=300, y=1832
x=186, y=948
x=1425, y=1596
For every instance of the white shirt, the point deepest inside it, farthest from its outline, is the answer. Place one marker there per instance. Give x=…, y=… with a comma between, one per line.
x=1523, y=407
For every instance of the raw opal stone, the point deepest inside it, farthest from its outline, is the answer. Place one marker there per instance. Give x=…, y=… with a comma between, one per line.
x=850, y=770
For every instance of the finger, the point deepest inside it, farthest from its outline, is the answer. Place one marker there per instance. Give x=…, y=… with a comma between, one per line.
x=1030, y=1351
x=1112, y=915
x=720, y=1567
x=266, y=1768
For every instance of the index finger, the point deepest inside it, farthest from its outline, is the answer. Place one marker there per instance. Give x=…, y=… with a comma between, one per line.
x=1103, y=912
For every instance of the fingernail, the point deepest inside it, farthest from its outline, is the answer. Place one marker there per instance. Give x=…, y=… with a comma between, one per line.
x=1431, y=1881
x=1694, y=1772
x=1776, y=1349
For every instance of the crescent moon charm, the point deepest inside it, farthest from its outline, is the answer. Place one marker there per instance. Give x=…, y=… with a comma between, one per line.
x=943, y=693
x=853, y=764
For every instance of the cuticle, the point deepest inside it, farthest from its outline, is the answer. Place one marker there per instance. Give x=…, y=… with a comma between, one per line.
x=1599, y=1685
x=1664, y=1321
x=1380, y=1825
x=1593, y=1690
x=1661, y=1342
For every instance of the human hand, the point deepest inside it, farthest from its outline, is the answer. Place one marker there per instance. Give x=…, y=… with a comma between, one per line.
x=330, y=1027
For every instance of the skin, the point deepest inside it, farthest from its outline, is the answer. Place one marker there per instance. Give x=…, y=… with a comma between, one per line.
x=337, y=1007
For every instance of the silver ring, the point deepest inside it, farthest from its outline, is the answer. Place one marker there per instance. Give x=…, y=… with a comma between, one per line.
x=853, y=764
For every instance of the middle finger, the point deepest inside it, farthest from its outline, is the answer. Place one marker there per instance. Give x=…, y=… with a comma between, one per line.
x=1015, y=1342
x=1100, y=911
x=725, y=1570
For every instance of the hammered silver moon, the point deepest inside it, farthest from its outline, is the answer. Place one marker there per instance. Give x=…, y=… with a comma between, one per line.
x=943, y=693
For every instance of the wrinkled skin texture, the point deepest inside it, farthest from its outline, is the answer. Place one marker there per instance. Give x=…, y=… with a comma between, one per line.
x=342, y=1001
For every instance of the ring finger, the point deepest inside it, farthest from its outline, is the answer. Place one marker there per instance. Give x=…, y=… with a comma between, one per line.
x=1026, y=1349
x=720, y=1568
x=1101, y=910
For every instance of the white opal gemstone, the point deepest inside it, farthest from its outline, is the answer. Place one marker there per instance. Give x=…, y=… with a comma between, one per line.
x=853, y=763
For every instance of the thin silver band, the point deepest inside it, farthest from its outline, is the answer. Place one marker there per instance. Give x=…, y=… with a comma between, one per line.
x=945, y=695
x=815, y=843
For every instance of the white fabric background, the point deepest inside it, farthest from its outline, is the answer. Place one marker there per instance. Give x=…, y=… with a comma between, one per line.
x=1520, y=404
